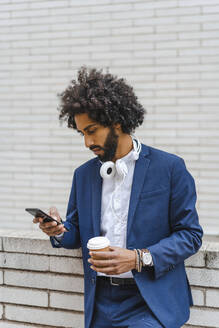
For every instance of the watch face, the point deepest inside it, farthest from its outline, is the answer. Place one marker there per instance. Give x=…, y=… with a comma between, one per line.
x=147, y=258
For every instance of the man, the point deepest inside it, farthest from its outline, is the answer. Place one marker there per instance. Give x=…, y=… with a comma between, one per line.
x=141, y=198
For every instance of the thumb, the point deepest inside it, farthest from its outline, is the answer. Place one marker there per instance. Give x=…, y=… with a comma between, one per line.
x=53, y=212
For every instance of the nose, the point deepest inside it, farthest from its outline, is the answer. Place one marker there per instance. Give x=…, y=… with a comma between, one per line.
x=88, y=141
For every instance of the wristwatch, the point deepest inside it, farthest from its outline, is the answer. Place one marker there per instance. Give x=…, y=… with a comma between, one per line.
x=146, y=258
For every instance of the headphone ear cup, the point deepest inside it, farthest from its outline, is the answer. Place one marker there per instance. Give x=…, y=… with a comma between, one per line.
x=107, y=170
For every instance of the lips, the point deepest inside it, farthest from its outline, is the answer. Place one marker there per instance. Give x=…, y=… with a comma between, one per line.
x=96, y=150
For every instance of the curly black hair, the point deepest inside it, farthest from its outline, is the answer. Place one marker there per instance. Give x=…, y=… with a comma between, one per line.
x=105, y=98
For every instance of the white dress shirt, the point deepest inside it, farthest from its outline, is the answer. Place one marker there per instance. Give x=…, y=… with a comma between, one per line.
x=115, y=205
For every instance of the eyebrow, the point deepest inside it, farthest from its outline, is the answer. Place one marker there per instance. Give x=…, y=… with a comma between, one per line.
x=87, y=127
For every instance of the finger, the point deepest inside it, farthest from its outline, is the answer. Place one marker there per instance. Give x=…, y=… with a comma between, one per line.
x=37, y=219
x=53, y=212
x=50, y=230
x=109, y=270
x=102, y=263
x=54, y=231
x=114, y=248
x=103, y=255
x=48, y=224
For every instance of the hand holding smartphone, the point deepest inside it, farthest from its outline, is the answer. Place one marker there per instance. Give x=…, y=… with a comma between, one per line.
x=37, y=213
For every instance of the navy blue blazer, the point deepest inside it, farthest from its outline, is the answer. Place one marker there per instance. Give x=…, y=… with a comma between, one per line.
x=162, y=217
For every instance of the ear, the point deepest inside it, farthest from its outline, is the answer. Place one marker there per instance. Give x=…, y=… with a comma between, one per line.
x=117, y=126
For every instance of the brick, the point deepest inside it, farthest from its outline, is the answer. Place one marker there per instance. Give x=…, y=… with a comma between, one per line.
x=94, y=2
x=211, y=26
x=199, y=51
x=199, y=18
x=210, y=9
x=209, y=76
x=198, y=35
x=212, y=297
x=203, y=277
x=12, y=22
x=132, y=15
x=212, y=258
x=132, y=46
x=178, y=11
x=5, y=324
x=199, y=68
x=178, y=28
x=4, y=15
x=132, y=31
x=174, y=125
x=178, y=44
x=66, y=265
x=24, y=261
x=44, y=281
x=111, y=8
x=203, y=318
x=112, y=24
x=210, y=43
x=178, y=141
x=43, y=317
x=177, y=93
x=23, y=296
x=158, y=4
x=14, y=7
x=198, y=297
x=48, y=4
x=188, y=3
x=178, y=76
x=76, y=12
x=154, y=21
x=67, y=301
x=197, y=260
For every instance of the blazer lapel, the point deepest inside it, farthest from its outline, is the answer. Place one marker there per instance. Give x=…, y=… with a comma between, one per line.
x=140, y=171
x=96, y=192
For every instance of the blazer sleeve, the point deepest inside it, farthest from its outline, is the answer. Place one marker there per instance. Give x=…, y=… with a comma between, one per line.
x=186, y=233
x=70, y=239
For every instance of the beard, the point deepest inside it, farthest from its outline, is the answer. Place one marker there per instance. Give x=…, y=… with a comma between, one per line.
x=110, y=146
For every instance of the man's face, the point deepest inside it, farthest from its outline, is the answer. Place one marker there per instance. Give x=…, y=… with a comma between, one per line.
x=103, y=141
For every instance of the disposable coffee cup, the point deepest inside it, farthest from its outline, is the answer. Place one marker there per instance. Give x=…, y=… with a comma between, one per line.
x=98, y=244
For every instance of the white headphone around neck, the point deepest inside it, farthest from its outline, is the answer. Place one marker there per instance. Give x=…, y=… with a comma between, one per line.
x=109, y=169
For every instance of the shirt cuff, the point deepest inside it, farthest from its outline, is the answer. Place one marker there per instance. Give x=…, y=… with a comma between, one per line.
x=58, y=238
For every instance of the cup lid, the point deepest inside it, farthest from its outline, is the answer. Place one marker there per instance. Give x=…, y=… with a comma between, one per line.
x=98, y=243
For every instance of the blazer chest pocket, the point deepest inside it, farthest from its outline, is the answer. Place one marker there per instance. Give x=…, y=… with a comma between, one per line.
x=154, y=193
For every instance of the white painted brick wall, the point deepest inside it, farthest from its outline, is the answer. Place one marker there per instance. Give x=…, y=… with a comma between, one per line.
x=54, y=298
x=168, y=50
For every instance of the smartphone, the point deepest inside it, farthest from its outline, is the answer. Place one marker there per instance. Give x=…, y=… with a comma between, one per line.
x=40, y=214
x=36, y=212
